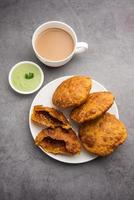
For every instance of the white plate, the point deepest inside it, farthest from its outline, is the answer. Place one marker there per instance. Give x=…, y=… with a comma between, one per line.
x=44, y=97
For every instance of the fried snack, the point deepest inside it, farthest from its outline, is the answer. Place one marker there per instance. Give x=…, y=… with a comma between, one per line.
x=102, y=135
x=72, y=92
x=96, y=104
x=58, y=141
x=49, y=117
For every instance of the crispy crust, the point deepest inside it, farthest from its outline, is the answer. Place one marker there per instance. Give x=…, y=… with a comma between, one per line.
x=103, y=135
x=58, y=141
x=72, y=92
x=96, y=104
x=49, y=117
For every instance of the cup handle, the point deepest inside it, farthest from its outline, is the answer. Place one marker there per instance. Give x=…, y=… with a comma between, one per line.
x=81, y=47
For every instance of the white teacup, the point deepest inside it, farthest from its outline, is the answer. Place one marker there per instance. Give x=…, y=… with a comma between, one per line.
x=79, y=47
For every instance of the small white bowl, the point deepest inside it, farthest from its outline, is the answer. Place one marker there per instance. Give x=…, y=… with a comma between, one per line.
x=24, y=92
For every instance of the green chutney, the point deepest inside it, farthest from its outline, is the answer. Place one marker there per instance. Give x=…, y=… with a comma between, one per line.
x=22, y=81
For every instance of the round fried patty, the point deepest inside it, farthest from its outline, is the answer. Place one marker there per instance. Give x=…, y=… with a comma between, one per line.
x=72, y=92
x=102, y=135
x=97, y=103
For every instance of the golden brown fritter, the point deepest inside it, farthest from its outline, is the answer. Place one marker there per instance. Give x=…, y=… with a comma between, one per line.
x=58, y=141
x=49, y=117
x=96, y=104
x=102, y=135
x=72, y=92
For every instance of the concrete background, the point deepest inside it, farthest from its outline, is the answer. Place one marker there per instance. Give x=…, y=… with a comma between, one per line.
x=25, y=171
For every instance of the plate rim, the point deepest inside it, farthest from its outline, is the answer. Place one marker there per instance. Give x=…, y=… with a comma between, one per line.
x=30, y=111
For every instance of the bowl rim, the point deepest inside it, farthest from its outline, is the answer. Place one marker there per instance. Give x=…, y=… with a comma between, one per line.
x=20, y=91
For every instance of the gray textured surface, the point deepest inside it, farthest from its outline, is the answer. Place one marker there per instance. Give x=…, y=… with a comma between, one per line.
x=25, y=171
